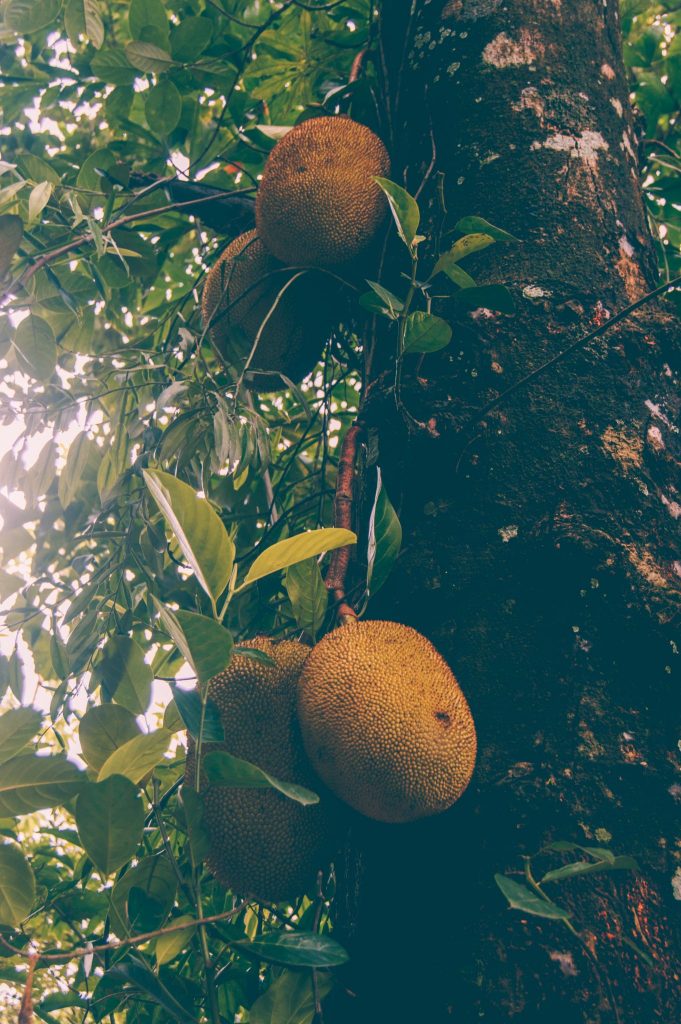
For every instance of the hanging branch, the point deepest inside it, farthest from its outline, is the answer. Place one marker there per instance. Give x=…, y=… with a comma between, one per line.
x=342, y=519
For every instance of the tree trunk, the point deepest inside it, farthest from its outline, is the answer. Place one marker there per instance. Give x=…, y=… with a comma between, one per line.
x=539, y=540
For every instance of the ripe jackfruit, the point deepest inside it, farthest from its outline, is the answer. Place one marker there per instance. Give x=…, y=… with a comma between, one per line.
x=262, y=843
x=241, y=297
x=317, y=204
x=384, y=722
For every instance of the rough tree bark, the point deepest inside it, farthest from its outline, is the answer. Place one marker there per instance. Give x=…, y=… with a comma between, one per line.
x=539, y=552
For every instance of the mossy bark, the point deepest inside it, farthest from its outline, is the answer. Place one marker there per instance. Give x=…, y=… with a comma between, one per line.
x=540, y=543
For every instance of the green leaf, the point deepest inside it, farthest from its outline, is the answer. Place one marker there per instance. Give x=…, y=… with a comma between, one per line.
x=163, y=107
x=290, y=999
x=297, y=549
x=385, y=539
x=189, y=705
x=30, y=783
x=94, y=26
x=35, y=347
x=81, y=449
x=17, y=727
x=110, y=821
x=113, y=66
x=190, y=38
x=448, y=265
x=11, y=233
x=486, y=296
x=200, y=533
x=590, y=867
x=471, y=225
x=308, y=595
x=59, y=656
x=404, y=209
x=295, y=949
x=390, y=302
x=149, y=58
x=204, y=643
x=26, y=16
x=137, y=757
x=38, y=199
x=9, y=584
x=155, y=878
x=464, y=247
x=170, y=945
x=521, y=898
x=102, y=730
x=136, y=974
x=148, y=21
x=426, y=332
x=17, y=886
x=224, y=769
x=124, y=675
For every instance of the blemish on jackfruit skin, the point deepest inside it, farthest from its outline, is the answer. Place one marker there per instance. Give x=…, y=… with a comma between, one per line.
x=317, y=204
x=384, y=721
x=261, y=843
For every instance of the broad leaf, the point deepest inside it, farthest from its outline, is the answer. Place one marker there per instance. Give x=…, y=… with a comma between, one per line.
x=385, y=539
x=30, y=783
x=168, y=946
x=590, y=867
x=521, y=898
x=35, y=348
x=204, y=643
x=200, y=533
x=290, y=999
x=447, y=264
x=137, y=975
x=103, y=730
x=426, y=332
x=163, y=107
x=94, y=26
x=147, y=20
x=17, y=727
x=297, y=549
x=295, y=949
x=404, y=209
x=148, y=57
x=124, y=675
x=137, y=757
x=464, y=247
x=11, y=233
x=38, y=199
x=26, y=16
x=190, y=38
x=486, y=296
x=308, y=595
x=17, y=886
x=110, y=820
x=81, y=450
x=472, y=225
x=224, y=769
x=189, y=706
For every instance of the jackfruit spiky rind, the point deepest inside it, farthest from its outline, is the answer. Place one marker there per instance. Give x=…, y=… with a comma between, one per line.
x=261, y=843
x=384, y=722
x=241, y=294
x=317, y=204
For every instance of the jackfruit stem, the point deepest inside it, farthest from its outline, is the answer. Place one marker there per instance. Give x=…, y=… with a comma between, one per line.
x=342, y=518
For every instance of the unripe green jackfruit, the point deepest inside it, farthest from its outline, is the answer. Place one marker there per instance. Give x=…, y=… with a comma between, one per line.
x=384, y=722
x=249, y=296
x=262, y=843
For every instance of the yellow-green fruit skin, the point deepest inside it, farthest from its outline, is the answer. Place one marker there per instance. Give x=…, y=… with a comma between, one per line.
x=241, y=294
x=261, y=843
x=317, y=204
x=385, y=723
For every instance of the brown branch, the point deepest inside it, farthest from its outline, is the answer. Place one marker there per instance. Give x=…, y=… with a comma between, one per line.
x=26, y=1008
x=342, y=519
x=136, y=940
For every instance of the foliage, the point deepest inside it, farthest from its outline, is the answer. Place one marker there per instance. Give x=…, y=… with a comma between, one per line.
x=153, y=513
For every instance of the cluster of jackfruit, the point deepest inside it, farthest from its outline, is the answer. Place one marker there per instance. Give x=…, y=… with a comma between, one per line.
x=267, y=302
x=373, y=711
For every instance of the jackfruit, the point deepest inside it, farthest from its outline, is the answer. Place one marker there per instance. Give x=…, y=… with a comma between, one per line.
x=241, y=297
x=384, y=722
x=317, y=204
x=261, y=843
